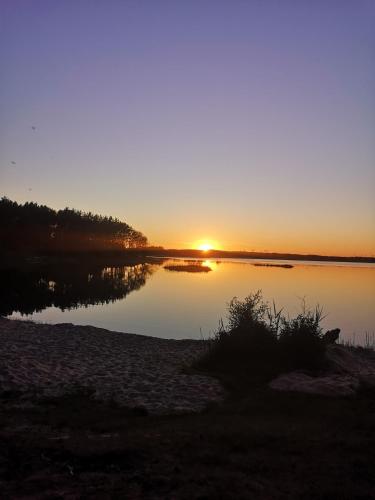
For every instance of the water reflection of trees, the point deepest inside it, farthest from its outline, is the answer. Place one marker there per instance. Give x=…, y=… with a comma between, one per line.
x=68, y=287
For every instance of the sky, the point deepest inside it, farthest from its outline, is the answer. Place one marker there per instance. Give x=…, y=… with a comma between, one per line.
x=245, y=124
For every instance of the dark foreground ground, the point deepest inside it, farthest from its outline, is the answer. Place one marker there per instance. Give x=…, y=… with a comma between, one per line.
x=266, y=445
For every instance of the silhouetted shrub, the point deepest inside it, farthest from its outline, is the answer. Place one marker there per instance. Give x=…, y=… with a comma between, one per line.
x=300, y=340
x=259, y=341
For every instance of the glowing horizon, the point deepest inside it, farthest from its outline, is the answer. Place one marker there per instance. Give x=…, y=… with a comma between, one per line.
x=281, y=250
x=311, y=247
x=205, y=245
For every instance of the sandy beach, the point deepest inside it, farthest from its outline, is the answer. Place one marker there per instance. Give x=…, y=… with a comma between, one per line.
x=259, y=443
x=43, y=360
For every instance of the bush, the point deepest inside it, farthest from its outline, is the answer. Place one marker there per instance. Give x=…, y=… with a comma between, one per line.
x=259, y=341
x=250, y=312
x=301, y=343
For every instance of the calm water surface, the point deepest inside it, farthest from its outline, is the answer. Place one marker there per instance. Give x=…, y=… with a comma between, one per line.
x=149, y=299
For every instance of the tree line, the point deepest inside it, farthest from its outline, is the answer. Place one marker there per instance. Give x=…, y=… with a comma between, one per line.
x=33, y=228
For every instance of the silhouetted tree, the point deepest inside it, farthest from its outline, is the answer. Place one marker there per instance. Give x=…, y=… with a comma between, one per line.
x=36, y=228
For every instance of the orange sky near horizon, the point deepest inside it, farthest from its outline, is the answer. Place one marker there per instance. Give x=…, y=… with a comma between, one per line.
x=315, y=247
x=264, y=237
x=292, y=234
x=307, y=243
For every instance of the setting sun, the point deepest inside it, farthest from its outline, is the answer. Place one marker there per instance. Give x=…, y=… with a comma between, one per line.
x=205, y=245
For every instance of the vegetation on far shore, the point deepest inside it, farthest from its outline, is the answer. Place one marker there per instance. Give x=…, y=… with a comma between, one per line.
x=230, y=254
x=30, y=228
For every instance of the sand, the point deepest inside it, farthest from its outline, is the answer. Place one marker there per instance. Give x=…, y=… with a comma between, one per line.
x=43, y=360
x=350, y=370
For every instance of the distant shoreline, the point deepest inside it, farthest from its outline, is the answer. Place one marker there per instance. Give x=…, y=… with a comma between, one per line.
x=141, y=255
x=209, y=254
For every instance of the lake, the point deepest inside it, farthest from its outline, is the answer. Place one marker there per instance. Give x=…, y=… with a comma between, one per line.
x=150, y=299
